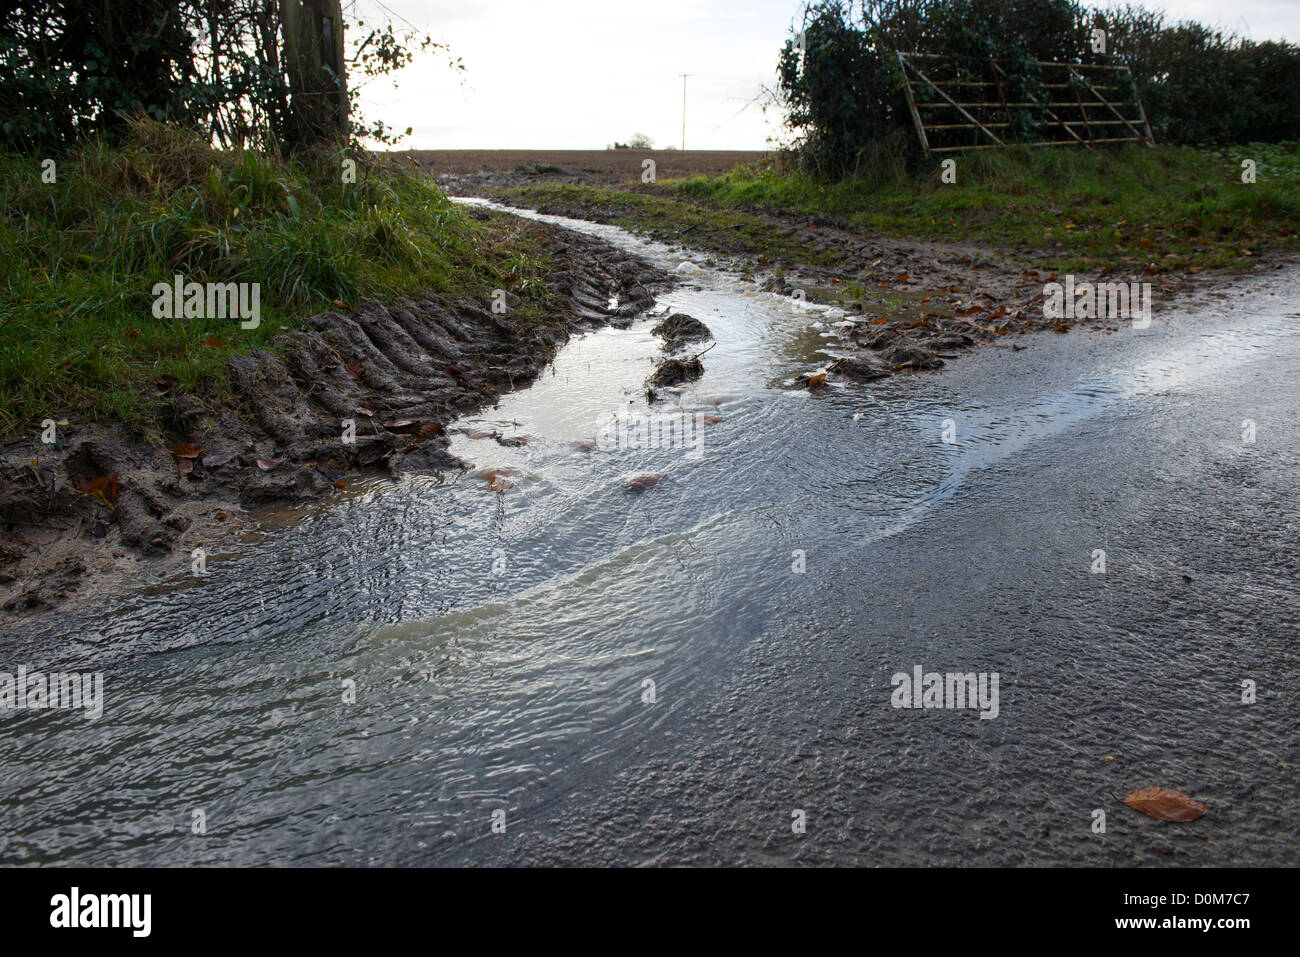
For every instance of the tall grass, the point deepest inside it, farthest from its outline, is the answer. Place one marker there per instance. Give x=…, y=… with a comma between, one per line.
x=79, y=258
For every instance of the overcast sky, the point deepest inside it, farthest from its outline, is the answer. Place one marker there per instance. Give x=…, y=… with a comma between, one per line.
x=579, y=74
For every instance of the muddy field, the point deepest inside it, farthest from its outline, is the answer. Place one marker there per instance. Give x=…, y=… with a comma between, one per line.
x=594, y=167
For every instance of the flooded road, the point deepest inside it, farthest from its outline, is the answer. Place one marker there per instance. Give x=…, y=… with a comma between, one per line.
x=575, y=671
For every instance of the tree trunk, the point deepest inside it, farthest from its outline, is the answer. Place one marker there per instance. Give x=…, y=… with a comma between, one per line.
x=313, y=62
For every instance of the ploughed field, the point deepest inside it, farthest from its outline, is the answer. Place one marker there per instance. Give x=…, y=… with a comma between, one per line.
x=589, y=166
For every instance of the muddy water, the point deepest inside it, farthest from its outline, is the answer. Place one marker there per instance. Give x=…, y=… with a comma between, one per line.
x=503, y=649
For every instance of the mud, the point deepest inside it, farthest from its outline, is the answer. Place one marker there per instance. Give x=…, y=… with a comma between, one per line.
x=102, y=502
x=911, y=302
x=679, y=329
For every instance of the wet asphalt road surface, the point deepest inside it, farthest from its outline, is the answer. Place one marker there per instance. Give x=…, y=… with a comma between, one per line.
x=1132, y=443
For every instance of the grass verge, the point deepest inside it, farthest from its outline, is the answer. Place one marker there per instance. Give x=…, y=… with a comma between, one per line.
x=1166, y=209
x=79, y=258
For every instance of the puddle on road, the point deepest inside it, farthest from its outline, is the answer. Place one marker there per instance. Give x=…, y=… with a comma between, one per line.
x=500, y=645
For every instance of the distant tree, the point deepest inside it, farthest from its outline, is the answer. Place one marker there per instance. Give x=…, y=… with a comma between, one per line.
x=640, y=141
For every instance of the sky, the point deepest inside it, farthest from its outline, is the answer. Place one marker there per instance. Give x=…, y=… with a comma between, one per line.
x=581, y=74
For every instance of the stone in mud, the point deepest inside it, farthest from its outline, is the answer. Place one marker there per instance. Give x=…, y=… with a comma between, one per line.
x=675, y=371
x=679, y=329
x=912, y=357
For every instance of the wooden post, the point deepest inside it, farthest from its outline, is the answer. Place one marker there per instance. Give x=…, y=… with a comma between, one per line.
x=313, y=60
x=911, y=105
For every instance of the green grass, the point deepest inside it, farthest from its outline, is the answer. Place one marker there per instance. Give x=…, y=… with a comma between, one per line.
x=1172, y=208
x=79, y=258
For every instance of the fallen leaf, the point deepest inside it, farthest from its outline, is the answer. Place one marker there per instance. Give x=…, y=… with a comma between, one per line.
x=187, y=451
x=816, y=381
x=184, y=466
x=267, y=464
x=105, y=487
x=1165, y=805
x=713, y=419
x=217, y=457
x=165, y=383
x=341, y=483
x=402, y=425
x=429, y=429
x=638, y=482
x=497, y=479
x=355, y=369
x=215, y=342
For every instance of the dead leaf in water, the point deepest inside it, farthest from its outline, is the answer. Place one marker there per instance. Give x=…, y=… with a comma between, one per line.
x=1165, y=805
x=498, y=479
x=639, y=482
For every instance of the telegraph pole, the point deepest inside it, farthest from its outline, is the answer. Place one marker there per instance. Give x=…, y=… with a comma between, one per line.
x=684, y=76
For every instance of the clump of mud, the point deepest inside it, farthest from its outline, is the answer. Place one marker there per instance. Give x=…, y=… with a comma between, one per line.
x=679, y=329
x=672, y=372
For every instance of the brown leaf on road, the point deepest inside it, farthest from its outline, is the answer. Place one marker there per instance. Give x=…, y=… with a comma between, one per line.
x=1165, y=805
x=187, y=451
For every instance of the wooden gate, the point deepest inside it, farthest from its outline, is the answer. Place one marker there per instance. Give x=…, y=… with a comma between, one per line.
x=957, y=107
